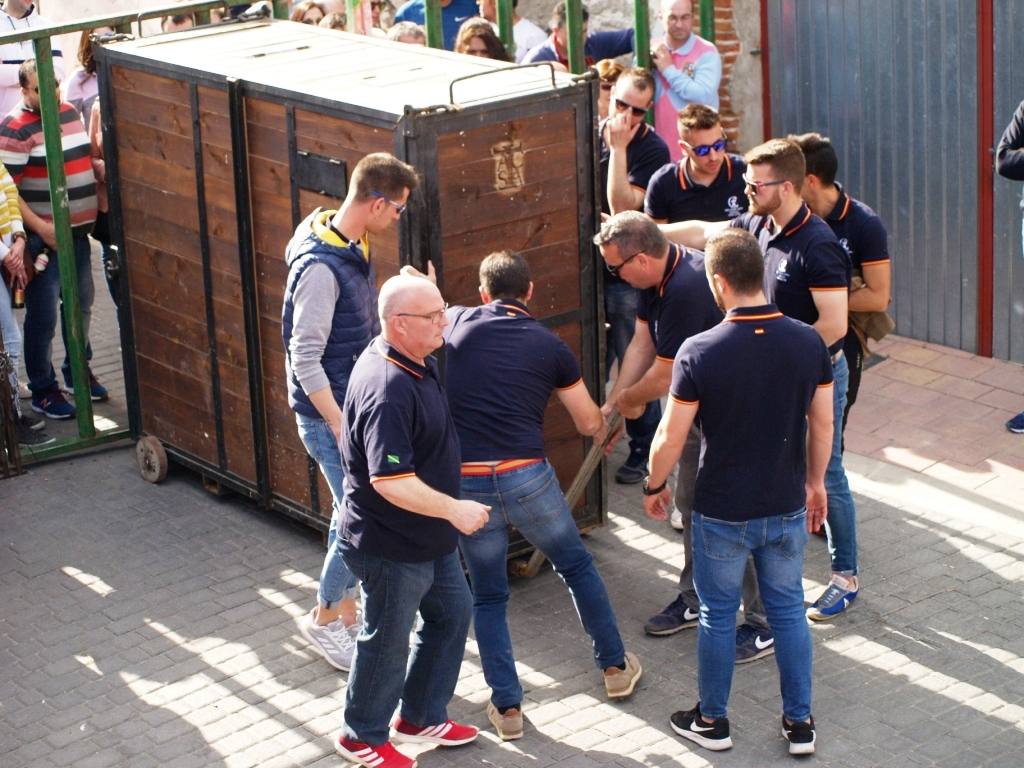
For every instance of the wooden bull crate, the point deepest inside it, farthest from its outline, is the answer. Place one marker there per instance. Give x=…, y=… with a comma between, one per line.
x=221, y=139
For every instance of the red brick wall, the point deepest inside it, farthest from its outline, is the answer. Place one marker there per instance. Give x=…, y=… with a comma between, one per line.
x=729, y=48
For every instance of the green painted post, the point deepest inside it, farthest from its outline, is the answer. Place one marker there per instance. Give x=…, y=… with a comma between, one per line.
x=574, y=35
x=707, y=20
x=281, y=9
x=505, y=25
x=642, y=33
x=435, y=29
x=351, y=14
x=49, y=109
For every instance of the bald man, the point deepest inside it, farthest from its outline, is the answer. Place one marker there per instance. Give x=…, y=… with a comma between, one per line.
x=399, y=531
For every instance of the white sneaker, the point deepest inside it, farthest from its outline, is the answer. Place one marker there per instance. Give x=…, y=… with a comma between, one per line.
x=24, y=393
x=676, y=519
x=332, y=641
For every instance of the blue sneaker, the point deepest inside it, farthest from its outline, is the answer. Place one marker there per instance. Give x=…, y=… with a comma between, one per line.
x=837, y=597
x=753, y=643
x=52, y=405
x=1016, y=424
x=97, y=392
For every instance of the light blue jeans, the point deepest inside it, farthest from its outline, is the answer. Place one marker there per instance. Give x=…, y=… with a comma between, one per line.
x=11, y=334
x=384, y=671
x=721, y=549
x=841, y=521
x=530, y=500
x=336, y=580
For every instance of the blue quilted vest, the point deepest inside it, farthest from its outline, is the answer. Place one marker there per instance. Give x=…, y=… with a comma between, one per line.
x=355, y=319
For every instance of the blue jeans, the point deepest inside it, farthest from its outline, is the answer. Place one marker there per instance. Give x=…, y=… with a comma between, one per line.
x=383, y=671
x=620, y=313
x=721, y=550
x=11, y=335
x=530, y=500
x=336, y=580
x=41, y=296
x=841, y=521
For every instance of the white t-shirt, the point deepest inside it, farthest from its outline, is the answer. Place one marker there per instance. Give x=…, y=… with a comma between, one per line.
x=13, y=54
x=527, y=35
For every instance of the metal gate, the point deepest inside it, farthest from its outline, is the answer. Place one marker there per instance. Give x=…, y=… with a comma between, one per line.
x=896, y=86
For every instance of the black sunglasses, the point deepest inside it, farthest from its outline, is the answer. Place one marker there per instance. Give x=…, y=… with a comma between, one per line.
x=638, y=111
x=703, y=150
x=615, y=270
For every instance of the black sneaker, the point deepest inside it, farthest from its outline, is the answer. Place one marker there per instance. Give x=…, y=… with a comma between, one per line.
x=800, y=736
x=29, y=437
x=691, y=725
x=676, y=616
x=753, y=643
x=633, y=469
x=31, y=422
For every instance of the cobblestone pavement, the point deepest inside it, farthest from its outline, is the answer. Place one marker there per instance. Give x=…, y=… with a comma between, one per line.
x=155, y=625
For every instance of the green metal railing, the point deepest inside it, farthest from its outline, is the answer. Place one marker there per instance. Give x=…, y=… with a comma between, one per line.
x=49, y=108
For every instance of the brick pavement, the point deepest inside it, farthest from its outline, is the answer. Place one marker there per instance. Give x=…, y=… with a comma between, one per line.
x=155, y=625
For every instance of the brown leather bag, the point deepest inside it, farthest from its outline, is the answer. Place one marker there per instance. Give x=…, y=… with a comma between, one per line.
x=869, y=325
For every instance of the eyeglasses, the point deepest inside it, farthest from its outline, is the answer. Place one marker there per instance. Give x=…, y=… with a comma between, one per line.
x=618, y=267
x=435, y=317
x=757, y=186
x=703, y=150
x=622, y=105
x=400, y=207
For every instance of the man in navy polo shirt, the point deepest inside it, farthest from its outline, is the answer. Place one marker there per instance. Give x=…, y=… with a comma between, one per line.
x=760, y=383
x=861, y=234
x=630, y=153
x=807, y=275
x=675, y=304
x=597, y=45
x=1010, y=165
x=707, y=183
x=399, y=531
x=453, y=13
x=328, y=317
x=501, y=367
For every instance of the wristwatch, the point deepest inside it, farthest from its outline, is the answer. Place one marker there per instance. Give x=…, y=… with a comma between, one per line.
x=648, y=491
x=17, y=235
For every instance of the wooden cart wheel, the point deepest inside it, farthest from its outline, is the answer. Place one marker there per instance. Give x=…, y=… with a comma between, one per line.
x=151, y=458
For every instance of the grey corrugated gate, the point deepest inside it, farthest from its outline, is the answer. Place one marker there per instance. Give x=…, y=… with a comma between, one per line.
x=896, y=87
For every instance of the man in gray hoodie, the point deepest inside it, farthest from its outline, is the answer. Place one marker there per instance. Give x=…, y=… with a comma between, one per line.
x=329, y=316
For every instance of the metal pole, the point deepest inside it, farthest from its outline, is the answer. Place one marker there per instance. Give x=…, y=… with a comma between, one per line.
x=49, y=109
x=505, y=25
x=707, y=20
x=352, y=13
x=281, y=9
x=435, y=29
x=574, y=35
x=642, y=33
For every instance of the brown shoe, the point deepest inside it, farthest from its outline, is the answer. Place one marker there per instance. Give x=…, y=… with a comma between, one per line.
x=619, y=683
x=510, y=725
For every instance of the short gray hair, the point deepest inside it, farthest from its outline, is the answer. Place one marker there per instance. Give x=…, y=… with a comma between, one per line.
x=632, y=232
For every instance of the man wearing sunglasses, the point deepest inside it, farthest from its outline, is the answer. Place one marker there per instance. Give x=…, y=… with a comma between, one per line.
x=807, y=275
x=689, y=71
x=329, y=316
x=707, y=183
x=630, y=153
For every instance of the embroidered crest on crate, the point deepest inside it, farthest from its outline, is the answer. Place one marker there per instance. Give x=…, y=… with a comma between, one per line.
x=509, y=166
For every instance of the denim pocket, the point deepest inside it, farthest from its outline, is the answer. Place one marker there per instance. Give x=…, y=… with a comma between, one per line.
x=794, y=534
x=722, y=540
x=545, y=502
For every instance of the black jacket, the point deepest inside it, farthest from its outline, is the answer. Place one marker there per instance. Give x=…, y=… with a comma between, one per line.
x=1010, y=153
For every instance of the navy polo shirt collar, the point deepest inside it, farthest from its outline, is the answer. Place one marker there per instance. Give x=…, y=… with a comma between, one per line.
x=396, y=358
x=841, y=208
x=800, y=218
x=671, y=263
x=748, y=314
x=511, y=307
x=685, y=182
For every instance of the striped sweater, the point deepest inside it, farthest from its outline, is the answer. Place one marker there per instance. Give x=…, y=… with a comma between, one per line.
x=23, y=151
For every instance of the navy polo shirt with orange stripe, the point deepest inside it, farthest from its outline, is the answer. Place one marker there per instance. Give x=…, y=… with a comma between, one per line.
x=681, y=305
x=752, y=378
x=674, y=196
x=801, y=258
x=396, y=424
x=501, y=366
x=859, y=230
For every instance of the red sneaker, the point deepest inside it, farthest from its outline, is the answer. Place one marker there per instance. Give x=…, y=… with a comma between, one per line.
x=381, y=756
x=447, y=734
